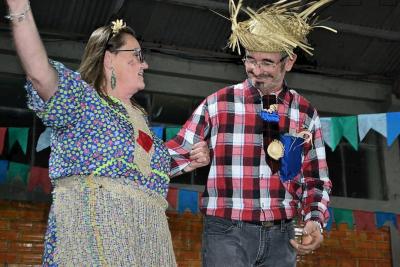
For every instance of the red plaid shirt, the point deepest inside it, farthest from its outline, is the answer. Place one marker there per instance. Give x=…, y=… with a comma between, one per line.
x=240, y=184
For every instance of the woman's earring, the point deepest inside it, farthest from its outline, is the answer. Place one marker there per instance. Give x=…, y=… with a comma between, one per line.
x=113, y=79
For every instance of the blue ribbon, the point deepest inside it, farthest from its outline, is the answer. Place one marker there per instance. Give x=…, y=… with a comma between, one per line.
x=270, y=117
x=291, y=160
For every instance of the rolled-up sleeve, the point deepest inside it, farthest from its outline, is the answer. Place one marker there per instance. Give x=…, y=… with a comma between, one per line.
x=193, y=131
x=317, y=185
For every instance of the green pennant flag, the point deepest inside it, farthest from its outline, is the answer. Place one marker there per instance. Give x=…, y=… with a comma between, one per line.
x=343, y=216
x=170, y=132
x=344, y=126
x=19, y=135
x=18, y=171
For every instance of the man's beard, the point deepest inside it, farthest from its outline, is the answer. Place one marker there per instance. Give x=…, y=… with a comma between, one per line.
x=266, y=88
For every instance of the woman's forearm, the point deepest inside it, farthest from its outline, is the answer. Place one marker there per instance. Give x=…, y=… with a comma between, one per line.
x=30, y=48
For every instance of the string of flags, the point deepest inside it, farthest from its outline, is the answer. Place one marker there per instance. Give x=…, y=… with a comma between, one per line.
x=352, y=128
x=355, y=128
x=15, y=135
x=183, y=200
x=34, y=178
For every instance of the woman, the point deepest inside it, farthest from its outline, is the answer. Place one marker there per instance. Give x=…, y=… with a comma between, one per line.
x=109, y=171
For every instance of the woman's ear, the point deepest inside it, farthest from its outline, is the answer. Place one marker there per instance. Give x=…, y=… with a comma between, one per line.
x=108, y=60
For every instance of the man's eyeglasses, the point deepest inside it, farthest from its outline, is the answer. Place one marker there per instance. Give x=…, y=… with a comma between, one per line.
x=263, y=64
x=137, y=52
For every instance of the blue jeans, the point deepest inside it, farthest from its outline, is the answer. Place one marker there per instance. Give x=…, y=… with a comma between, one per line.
x=236, y=244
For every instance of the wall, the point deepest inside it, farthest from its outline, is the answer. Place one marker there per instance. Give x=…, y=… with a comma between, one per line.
x=22, y=227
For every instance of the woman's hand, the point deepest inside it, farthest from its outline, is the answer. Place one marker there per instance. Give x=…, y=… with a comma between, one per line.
x=199, y=156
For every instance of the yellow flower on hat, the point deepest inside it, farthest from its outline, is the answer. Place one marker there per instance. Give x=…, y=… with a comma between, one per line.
x=117, y=25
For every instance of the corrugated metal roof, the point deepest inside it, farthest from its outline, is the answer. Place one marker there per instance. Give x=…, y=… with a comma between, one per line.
x=175, y=24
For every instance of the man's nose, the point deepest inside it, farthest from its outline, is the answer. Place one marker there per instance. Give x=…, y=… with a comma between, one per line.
x=257, y=70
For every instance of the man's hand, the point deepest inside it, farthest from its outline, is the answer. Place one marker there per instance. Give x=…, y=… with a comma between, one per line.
x=199, y=156
x=311, y=240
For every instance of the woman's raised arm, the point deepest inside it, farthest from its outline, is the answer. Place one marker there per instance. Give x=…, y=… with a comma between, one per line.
x=30, y=49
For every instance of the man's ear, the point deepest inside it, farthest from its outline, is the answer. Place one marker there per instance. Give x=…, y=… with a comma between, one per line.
x=107, y=60
x=290, y=62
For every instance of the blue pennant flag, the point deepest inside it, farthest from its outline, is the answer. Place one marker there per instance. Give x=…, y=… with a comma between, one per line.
x=158, y=131
x=188, y=200
x=330, y=221
x=44, y=140
x=3, y=170
x=382, y=217
x=393, y=126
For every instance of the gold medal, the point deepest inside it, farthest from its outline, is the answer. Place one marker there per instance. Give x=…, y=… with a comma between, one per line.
x=275, y=149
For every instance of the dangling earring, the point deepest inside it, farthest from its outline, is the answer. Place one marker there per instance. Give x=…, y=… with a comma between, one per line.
x=113, y=79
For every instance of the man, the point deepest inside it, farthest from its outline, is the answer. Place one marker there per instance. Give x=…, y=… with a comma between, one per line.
x=268, y=157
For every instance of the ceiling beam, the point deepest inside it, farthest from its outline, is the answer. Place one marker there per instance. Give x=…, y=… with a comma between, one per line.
x=364, y=31
x=341, y=27
x=396, y=88
x=201, y=4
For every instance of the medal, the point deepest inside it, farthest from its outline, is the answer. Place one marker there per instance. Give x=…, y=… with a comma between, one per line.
x=275, y=149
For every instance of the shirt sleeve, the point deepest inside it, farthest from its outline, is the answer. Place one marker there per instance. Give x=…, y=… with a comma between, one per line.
x=64, y=107
x=317, y=185
x=193, y=131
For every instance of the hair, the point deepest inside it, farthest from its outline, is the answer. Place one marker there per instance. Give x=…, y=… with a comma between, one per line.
x=92, y=64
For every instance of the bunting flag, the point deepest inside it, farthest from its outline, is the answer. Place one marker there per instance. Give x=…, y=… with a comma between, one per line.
x=328, y=226
x=2, y=138
x=393, y=126
x=343, y=216
x=383, y=217
x=39, y=177
x=3, y=171
x=346, y=127
x=398, y=221
x=188, y=200
x=170, y=132
x=364, y=220
x=44, y=140
x=199, y=198
x=172, y=197
x=158, y=131
x=376, y=122
x=18, y=171
x=19, y=135
x=326, y=131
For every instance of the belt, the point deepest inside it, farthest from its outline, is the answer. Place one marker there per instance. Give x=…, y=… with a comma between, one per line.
x=270, y=223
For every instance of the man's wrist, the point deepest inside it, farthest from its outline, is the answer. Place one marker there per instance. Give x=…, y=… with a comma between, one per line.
x=319, y=225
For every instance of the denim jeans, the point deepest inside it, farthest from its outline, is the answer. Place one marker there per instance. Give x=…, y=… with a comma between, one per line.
x=240, y=244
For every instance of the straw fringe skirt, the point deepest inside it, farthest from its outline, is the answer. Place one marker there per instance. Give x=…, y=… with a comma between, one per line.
x=102, y=221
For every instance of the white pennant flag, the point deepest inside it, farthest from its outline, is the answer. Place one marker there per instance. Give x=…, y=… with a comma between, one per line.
x=44, y=140
x=376, y=122
x=326, y=130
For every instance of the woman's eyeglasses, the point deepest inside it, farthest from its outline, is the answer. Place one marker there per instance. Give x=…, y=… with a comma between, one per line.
x=137, y=52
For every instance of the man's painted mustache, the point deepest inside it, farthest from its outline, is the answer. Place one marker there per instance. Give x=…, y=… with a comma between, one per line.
x=262, y=76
